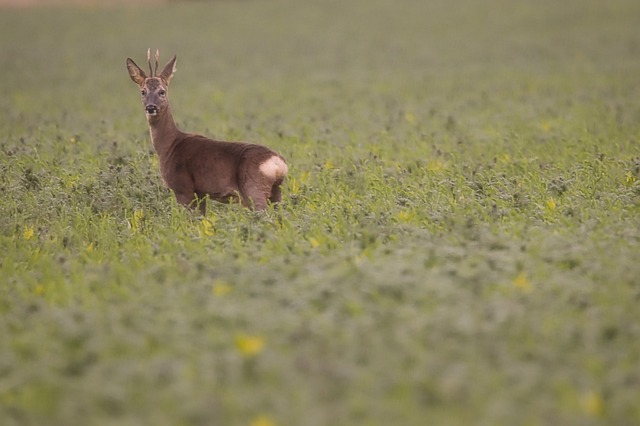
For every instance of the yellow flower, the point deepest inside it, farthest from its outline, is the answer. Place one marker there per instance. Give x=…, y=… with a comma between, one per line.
x=138, y=219
x=435, y=166
x=206, y=226
x=221, y=288
x=71, y=181
x=304, y=177
x=592, y=404
x=249, y=346
x=90, y=247
x=404, y=216
x=551, y=204
x=39, y=290
x=262, y=420
x=297, y=182
x=28, y=232
x=410, y=118
x=294, y=186
x=521, y=282
x=629, y=178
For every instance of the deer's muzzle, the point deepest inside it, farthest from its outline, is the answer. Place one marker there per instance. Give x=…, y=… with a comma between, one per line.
x=151, y=109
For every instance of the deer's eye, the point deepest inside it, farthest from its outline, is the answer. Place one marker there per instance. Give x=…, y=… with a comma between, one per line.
x=162, y=92
x=143, y=92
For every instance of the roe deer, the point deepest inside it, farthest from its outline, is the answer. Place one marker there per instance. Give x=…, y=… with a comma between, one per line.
x=194, y=166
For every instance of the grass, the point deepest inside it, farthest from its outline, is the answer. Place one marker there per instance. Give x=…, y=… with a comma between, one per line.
x=458, y=242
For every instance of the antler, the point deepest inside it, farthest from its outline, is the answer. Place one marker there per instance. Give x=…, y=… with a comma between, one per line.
x=149, y=62
x=155, y=72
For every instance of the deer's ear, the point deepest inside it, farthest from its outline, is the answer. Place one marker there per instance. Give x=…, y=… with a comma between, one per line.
x=137, y=75
x=168, y=70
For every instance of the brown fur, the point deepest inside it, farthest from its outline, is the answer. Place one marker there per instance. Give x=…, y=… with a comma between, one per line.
x=194, y=166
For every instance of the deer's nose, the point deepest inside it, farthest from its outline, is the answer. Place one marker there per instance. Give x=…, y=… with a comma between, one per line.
x=151, y=109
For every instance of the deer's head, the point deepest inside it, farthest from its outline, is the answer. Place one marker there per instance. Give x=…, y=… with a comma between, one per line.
x=154, y=87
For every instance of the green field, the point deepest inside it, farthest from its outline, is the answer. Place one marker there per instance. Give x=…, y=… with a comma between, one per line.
x=458, y=243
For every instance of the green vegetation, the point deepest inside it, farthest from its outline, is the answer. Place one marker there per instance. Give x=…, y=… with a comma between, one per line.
x=458, y=243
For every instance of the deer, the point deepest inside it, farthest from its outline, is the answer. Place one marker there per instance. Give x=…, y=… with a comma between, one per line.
x=194, y=166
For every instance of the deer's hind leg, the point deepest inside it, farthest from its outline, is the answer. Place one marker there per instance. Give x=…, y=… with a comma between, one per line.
x=260, y=178
x=255, y=194
x=276, y=192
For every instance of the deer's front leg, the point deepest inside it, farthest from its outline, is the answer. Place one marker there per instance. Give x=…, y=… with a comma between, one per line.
x=191, y=200
x=184, y=190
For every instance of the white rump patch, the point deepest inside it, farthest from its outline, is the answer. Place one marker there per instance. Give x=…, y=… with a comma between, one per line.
x=274, y=168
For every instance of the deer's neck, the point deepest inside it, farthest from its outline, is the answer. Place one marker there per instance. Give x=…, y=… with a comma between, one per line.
x=164, y=132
